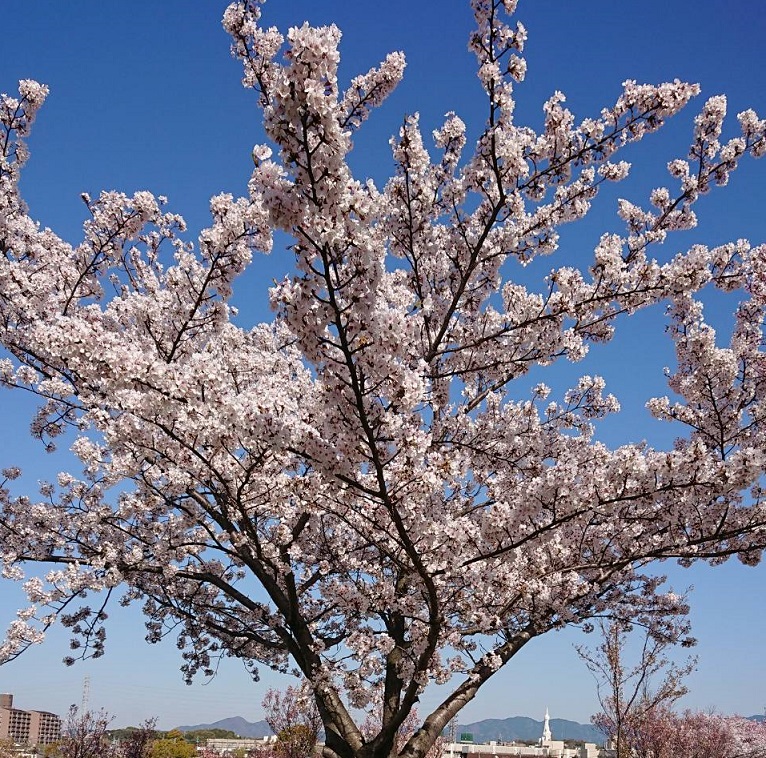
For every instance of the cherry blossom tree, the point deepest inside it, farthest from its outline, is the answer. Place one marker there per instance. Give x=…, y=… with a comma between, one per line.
x=137, y=742
x=665, y=734
x=377, y=489
x=630, y=692
x=748, y=737
x=84, y=735
x=294, y=718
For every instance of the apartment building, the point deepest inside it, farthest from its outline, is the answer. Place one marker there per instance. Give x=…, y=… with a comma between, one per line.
x=27, y=727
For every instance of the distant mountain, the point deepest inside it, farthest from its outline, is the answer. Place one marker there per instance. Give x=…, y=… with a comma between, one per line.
x=524, y=728
x=236, y=724
x=513, y=728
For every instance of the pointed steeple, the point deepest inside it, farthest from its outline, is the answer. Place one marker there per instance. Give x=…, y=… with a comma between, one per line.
x=547, y=736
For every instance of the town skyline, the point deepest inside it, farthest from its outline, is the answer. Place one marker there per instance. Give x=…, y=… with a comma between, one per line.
x=483, y=729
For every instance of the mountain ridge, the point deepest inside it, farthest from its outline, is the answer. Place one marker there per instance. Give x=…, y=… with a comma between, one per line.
x=522, y=728
x=526, y=728
x=511, y=728
x=237, y=724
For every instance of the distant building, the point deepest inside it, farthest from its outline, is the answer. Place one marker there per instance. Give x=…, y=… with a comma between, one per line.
x=227, y=746
x=554, y=749
x=27, y=727
x=547, y=747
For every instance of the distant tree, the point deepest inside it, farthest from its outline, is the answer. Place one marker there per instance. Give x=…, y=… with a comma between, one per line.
x=84, y=735
x=7, y=749
x=656, y=735
x=199, y=735
x=297, y=741
x=293, y=716
x=172, y=745
x=120, y=734
x=379, y=488
x=665, y=734
x=137, y=741
x=630, y=692
x=264, y=750
x=748, y=737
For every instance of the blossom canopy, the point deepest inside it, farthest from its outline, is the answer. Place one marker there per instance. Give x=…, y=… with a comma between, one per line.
x=371, y=490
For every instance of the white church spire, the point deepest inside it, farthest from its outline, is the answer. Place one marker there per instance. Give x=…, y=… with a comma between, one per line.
x=547, y=737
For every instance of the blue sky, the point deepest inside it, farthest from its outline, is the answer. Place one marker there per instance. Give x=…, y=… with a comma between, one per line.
x=144, y=95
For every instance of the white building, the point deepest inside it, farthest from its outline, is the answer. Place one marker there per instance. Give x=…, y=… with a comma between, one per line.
x=547, y=747
x=226, y=746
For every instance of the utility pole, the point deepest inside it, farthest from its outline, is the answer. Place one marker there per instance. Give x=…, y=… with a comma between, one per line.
x=85, y=696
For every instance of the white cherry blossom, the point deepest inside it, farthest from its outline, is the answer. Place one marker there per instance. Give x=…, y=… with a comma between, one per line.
x=365, y=491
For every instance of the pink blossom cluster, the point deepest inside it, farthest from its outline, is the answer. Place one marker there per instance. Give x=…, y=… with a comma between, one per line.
x=663, y=733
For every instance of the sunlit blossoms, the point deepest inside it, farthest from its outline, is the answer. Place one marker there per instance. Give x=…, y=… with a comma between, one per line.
x=666, y=734
x=366, y=490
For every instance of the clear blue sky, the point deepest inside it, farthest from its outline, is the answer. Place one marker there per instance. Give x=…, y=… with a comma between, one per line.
x=144, y=95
